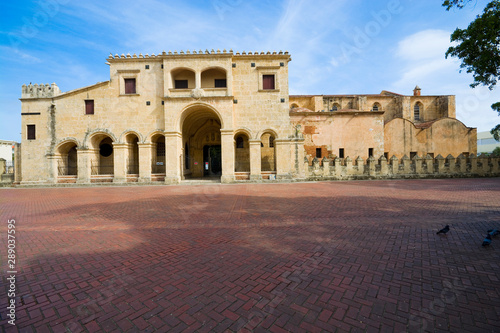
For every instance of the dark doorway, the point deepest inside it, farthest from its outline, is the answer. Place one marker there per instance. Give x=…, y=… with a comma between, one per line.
x=212, y=161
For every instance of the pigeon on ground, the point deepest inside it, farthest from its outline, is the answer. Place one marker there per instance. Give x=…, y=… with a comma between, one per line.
x=493, y=232
x=444, y=230
x=487, y=240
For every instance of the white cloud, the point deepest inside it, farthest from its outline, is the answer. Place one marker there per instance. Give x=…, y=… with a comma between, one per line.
x=423, y=63
x=427, y=44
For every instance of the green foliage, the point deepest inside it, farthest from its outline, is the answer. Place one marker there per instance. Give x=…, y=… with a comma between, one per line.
x=496, y=152
x=454, y=3
x=479, y=46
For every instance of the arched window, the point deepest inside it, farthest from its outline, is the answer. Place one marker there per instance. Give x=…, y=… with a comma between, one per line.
x=335, y=107
x=376, y=107
x=271, y=142
x=239, y=142
x=416, y=111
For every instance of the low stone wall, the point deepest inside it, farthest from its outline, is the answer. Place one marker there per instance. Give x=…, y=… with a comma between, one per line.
x=418, y=167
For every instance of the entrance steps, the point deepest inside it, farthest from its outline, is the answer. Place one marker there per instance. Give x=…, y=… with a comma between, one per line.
x=200, y=181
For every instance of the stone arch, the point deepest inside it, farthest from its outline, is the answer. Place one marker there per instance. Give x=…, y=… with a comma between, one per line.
x=268, y=130
x=242, y=151
x=268, y=153
x=131, y=131
x=102, y=160
x=243, y=130
x=149, y=137
x=213, y=77
x=194, y=107
x=67, y=157
x=376, y=107
x=132, y=154
x=87, y=140
x=200, y=127
x=335, y=107
x=185, y=74
x=418, y=110
x=294, y=106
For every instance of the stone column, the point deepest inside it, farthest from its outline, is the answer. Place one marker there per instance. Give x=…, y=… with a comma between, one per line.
x=52, y=159
x=348, y=166
x=383, y=166
x=406, y=164
x=145, y=162
x=440, y=161
x=282, y=159
x=298, y=154
x=418, y=165
x=227, y=142
x=83, y=156
x=371, y=166
x=462, y=160
x=197, y=80
x=173, y=155
x=120, y=162
x=473, y=164
x=395, y=165
x=17, y=161
x=360, y=163
x=306, y=167
x=495, y=167
x=255, y=160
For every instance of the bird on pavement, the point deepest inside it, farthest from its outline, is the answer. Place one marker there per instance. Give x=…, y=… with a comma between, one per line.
x=444, y=230
x=493, y=232
x=487, y=240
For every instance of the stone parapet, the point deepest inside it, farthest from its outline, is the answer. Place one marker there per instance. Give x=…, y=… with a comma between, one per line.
x=418, y=167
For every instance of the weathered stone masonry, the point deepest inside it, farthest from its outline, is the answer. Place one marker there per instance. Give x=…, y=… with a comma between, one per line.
x=225, y=115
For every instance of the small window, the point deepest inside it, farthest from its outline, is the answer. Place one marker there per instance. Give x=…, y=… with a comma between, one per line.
x=375, y=107
x=220, y=83
x=341, y=152
x=147, y=66
x=271, y=142
x=268, y=82
x=31, y=132
x=130, y=86
x=181, y=84
x=413, y=154
x=416, y=112
x=318, y=152
x=105, y=149
x=89, y=106
x=334, y=108
x=386, y=155
x=239, y=142
x=370, y=152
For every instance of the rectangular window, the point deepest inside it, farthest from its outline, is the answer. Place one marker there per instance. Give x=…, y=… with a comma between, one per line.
x=370, y=152
x=220, y=83
x=31, y=132
x=89, y=106
x=386, y=155
x=413, y=154
x=268, y=82
x=318, y=152
x=181, y=84
x=341, y=152
x=130, y=86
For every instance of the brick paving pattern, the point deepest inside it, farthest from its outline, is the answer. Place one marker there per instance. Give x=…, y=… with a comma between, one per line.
x=360, y=256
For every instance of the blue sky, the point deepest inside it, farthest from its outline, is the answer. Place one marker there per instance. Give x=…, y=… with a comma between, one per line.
x=337, y=46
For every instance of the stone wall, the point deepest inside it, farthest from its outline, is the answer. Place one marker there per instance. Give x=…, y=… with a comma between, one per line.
x=394, y=168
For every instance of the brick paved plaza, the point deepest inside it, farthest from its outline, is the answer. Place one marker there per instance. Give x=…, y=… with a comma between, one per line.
x=302, y=257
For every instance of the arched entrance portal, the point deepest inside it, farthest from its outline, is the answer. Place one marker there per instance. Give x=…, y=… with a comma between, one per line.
x=201, y=143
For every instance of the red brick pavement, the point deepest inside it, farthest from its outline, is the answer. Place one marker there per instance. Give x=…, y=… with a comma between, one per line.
x=317, y=257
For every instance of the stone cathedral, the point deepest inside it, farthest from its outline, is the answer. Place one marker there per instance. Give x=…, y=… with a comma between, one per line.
x=219, y=115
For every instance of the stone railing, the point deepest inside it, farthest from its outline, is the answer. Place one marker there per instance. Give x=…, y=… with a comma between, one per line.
x=418, y=167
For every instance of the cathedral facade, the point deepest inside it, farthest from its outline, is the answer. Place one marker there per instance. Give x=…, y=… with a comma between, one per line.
x=218, y=115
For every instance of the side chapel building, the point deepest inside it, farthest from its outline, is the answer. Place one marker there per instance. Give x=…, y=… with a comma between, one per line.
x=176, y=116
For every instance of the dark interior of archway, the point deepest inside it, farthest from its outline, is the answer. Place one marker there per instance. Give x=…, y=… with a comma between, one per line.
x=201, y=143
